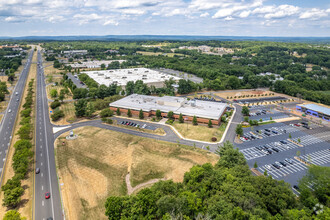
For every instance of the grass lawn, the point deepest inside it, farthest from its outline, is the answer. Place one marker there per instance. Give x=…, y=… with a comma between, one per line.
x=50, y=70
x=199, y=132
x=93, y=166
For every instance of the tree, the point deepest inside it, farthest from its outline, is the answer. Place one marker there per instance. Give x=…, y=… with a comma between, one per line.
x=80, y=107
x=90, y=110
x=181, y=120
x=129, y=113
x=158, y=114
x=210, y=125
x=13, y=215
x=265, y=173
x=245, y=111
x=141, y=116
x=239, y=130
x=270, y=118
x=118, y=111
x=53, y=93
x=290, y=136
x=255, y=165
x=246, y=118
x=194, y=121
x=170, y=114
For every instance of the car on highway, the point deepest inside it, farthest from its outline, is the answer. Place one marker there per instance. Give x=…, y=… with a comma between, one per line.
x=9, y=110
x=47, y=195
x=37, y=170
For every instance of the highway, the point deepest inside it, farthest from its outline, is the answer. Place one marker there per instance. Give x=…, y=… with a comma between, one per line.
x=46, y=180
x=8, y=122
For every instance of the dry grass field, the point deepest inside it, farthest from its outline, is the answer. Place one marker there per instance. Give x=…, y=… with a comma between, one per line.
x=200, y=132
x=93, y=167
x=50, y=70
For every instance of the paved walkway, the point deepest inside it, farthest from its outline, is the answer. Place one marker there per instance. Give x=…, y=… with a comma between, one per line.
x=131, y=189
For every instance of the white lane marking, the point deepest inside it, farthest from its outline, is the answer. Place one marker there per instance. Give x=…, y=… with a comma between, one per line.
x=42, y=187
x=43, y=203
x=42, y=174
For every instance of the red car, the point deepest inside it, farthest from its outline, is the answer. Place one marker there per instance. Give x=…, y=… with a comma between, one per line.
x=47, y=195
x=298, y=125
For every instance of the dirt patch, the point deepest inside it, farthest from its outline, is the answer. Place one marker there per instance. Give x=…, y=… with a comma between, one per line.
x=230, y=95
x=94, y=166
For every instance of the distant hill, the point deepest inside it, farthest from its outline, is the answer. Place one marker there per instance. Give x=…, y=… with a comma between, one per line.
x=169, y=37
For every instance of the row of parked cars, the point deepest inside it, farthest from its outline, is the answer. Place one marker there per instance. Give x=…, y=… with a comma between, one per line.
x=261, y=112
x=302, y=124
x=280, y=164
x=132, y=124
x=266, y=131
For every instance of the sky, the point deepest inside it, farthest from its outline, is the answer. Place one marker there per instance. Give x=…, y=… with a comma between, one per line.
x=287, y=18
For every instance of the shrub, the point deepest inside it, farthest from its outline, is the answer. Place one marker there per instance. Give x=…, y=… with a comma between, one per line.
x=214, y=139
x=55, y=104
x=57, y=114
x=106, y=113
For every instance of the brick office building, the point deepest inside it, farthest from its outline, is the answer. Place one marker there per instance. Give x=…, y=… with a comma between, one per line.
x=203, y=110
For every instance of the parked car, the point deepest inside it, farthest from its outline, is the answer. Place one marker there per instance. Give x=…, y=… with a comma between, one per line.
x=259, y=148
x=267, y=134
x=297, y=125
x=267, y=130
x=283, y=163
x=275, y=149
x=296, y=187
x=306, y=126
x=276, y=166
x=290, y=161
x=275, y=132
x=284, y=142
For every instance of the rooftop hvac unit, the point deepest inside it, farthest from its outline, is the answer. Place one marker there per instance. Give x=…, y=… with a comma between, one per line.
x=129, y=72
x=135, y=69
x=147, y=71
x=107, y=77
x=193, y=103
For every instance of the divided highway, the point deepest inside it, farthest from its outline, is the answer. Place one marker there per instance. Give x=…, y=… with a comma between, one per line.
x=46, y=180
x=8, y=121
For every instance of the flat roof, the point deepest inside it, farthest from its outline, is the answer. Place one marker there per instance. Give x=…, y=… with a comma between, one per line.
x=317, y=108
x=122, y=76
x=198, y=108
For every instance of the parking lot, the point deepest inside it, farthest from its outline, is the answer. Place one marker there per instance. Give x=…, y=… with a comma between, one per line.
x=136, y=124
x=260, y=100
x=276, y=154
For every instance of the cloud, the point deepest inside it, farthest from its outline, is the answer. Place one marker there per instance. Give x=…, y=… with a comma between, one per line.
x=110, y=22
x=12, y=19
x=314, y=14
x=87, y=18
x=281, y=11
x=244, y=14
x=206, y=14
x=229, y=18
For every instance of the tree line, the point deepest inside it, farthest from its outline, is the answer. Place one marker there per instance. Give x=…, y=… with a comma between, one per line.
x=23, y=154
x=227, y=190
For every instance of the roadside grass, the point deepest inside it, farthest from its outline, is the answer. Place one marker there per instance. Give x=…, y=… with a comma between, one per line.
x=25, y=208
x=58, y=89
x=266, y=122
x=199, y=132
x=93, y=166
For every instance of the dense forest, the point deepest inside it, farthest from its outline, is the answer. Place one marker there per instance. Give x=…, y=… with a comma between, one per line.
x=303, y=67
x=227, y=190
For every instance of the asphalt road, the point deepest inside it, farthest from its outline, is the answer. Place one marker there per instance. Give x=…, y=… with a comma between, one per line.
x=8, y=122
x=46, y=180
